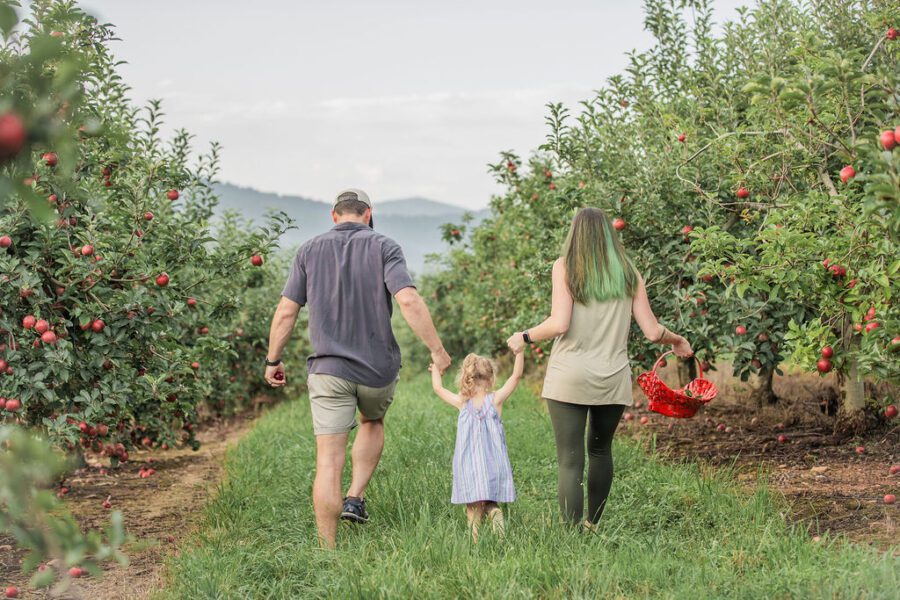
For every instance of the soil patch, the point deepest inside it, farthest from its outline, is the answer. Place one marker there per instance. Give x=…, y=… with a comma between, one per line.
x=160, y=511
x=829, y=485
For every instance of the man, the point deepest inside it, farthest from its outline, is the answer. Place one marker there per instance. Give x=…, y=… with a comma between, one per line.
x=347, y=278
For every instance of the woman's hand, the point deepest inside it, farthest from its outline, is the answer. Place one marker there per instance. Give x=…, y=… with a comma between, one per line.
x=682, y=348
x=516, y=343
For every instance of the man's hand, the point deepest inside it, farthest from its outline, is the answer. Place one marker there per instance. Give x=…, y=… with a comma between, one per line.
x=275, y=376
x=441, y=360
x=516, y=342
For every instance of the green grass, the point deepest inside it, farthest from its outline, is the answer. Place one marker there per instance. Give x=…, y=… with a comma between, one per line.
x=668, y=532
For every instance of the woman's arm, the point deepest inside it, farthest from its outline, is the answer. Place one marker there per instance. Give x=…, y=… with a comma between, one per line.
x=560, y=312
x=509, y=387
x=443, y=393
x=653, y=330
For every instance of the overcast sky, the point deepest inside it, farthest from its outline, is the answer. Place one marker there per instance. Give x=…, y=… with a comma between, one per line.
x=399, y=97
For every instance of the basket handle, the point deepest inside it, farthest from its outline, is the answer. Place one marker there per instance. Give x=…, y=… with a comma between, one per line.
x=665, y=354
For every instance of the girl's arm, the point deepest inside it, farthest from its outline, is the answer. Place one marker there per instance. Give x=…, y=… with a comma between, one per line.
x=443, y=393
x=509, y=387
x=653, y=330
x=560, y=312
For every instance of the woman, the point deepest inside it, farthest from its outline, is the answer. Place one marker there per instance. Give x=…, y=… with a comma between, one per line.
x=596, y=290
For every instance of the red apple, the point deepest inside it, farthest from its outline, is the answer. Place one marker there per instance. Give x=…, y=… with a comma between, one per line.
x=148, y=216
x=5, y=241
x=870, y=314
x=847, y=173
x=76, y=572
x=12, y=135
x=756, y=364
x=720, y=427
x=681, y=137
x=195, y=365
x=172, y=195
x=891, y=34
x=28, y=322
x=162, y=280
x=823, y=365
x=891, y=411
x=87, y=250
x=12, y=404
x=827, y=352
x=50, y=159
x=48, y=337
x=890, y=498
x=256, y=260
x=98, y=325
x=888, y=141
x=686, y=229
x=860, y=449
x=279, y=376
x=628, y=416
x=192, y=302
x=871, y=325
x=740, y=330
x=743, y=193
x=644, y=420
x=857, y=327
x=894, y=469
x=102, y=429
x=41, y=326
x=618, y=224
x=12, y=592
x=107, y=504
x=782, y=439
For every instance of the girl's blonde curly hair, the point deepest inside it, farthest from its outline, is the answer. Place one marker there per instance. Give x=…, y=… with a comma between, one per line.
x=476, y=372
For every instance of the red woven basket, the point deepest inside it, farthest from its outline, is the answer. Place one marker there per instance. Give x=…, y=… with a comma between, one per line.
x=681, y=403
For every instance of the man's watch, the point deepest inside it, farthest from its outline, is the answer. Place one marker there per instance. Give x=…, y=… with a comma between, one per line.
x=526, y=337
x=272, y=363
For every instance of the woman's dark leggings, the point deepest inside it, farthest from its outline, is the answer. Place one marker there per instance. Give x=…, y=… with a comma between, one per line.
x=568, y=425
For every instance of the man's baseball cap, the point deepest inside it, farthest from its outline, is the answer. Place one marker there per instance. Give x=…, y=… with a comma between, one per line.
x=354, y=194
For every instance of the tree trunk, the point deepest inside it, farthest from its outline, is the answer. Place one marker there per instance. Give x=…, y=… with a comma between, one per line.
x=851, y=418
x=686, y=371
x=761, y=391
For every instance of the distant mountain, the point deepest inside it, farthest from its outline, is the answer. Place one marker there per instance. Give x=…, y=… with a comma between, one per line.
x=413, y=222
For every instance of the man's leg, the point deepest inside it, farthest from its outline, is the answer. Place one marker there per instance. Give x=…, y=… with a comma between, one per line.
x=365, y=454
x=369, y=443
x=330, y=452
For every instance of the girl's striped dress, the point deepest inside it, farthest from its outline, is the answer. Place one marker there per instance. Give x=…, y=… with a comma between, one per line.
x=481, y=468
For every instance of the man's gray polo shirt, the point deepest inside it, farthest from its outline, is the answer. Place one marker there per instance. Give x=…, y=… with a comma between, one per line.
x=347, y=277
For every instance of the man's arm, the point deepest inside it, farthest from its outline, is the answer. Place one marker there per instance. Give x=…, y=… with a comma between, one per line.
x=414, y=310
x=280, y=332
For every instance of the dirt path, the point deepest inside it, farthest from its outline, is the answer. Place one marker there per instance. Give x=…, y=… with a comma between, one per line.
x=160, y=511
x=828, y=484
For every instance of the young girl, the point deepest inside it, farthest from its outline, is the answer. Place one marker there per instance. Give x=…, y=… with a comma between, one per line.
x=482, y=475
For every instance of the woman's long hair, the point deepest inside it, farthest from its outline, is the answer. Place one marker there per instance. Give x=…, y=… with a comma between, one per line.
x=597, y=266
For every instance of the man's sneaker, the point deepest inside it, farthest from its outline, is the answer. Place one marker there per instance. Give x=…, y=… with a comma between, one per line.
x=355, y=510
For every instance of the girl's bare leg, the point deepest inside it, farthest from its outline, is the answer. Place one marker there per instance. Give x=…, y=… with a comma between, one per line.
x=474, y=513
x=495, y=515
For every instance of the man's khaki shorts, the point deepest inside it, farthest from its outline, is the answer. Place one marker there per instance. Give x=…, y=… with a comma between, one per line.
x=334, y=402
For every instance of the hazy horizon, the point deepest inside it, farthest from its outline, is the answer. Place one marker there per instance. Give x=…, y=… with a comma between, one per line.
x=402, y=98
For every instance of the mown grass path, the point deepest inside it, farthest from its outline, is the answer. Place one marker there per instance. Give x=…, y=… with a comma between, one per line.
x=668, y=532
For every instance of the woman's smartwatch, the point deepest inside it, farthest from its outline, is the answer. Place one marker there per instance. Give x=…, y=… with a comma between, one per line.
x=526, y=337
x=272, y=363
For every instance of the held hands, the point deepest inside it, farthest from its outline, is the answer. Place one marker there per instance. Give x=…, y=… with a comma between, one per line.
x=441, y=360
x=516, y=343
x=682, y=348
x=275, y=376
